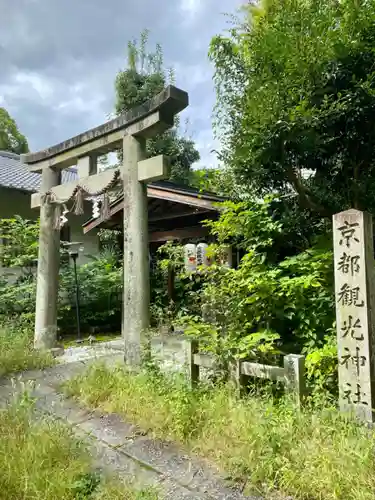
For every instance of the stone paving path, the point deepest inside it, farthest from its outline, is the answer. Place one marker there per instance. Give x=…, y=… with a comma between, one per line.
x=116, y=446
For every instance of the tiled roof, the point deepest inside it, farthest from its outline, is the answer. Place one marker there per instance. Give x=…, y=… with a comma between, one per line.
x=189, y=190
x=14, y=174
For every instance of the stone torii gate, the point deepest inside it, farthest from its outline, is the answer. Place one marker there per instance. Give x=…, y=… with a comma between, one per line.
x=128, y=131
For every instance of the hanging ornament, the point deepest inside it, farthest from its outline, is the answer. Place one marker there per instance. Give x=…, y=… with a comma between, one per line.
x=60, y=216
x=95, y=209
x=106, y=207
x=63, y=217
x=78, y=207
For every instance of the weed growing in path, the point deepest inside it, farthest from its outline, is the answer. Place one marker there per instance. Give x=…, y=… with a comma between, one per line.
x=312, y=454
x=17, y=353
x=42, y=460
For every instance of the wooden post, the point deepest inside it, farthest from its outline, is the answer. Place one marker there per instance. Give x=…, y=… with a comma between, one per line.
x=48, y=269
x=294, y=367
x=191, y=348
x=171, y=280
x=136, y=302
x=354, y=297
x=239, y=379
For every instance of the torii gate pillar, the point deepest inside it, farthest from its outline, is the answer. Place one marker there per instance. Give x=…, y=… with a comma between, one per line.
x=48, y=269
x=136, y=283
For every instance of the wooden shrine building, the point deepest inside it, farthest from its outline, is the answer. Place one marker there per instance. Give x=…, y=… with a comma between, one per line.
x=175, y=212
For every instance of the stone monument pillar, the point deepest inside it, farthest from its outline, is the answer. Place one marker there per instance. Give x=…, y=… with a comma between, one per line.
x=354, y=297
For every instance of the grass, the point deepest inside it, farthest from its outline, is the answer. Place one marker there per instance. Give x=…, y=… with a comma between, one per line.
x=17, y=353
x=71, y=341
x=42, y=460
x=312, y=454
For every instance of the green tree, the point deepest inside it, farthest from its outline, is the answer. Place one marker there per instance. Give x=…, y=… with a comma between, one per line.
x=216, y=180
x=145, y=77
x=10, y=137
x=296, y=100
x=19, y=248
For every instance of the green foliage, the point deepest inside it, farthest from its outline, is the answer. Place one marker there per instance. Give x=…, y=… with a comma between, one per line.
x=109, y=241
x=17, y=298
x=100, y=294
x=220, y=181
x=10, y=137
x=269, y=304
x=296, y=96
x=143, y=79
x=321, y=366
x=180, y=150
x=19, y=248
x=100, y=280
x=41, y=458
x=273, y=450
x=292, y=300
x=165, y=309
x=16, y=349
x=18, y=253
x=85, y=485
x=248, y=225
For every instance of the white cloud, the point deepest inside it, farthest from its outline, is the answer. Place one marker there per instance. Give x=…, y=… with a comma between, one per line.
x=59, y=61
x=191, y=7
x=192, y=76
x=23, y=85
x=25, y=81
x=206, y=144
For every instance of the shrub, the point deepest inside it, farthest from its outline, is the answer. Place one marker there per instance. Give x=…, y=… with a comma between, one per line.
x=271, y=303
x=100, y=294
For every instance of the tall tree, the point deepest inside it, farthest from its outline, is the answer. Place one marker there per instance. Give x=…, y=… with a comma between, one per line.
x=218, y=180
x=10, y=137
x=296, y=101
x=145, y=77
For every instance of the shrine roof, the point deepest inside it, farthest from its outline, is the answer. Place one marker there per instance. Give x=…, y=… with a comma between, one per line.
x=188, y=190
x=16, y=175
x=166, y=200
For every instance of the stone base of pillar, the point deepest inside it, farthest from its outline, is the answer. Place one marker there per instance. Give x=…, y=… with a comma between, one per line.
x=45, y=338
x=57, y=351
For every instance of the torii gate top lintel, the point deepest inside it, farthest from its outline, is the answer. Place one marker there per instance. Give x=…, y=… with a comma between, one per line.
x=147, y=120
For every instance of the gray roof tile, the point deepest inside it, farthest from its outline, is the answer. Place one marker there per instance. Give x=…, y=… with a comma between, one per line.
x=14, y=174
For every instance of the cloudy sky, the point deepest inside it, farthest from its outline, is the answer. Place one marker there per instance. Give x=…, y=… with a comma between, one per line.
x=59, y=58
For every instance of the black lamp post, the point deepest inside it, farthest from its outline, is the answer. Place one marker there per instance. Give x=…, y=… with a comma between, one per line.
x=73, y=251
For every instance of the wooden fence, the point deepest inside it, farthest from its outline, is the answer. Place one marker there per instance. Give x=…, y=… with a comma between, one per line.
x=292, y=374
